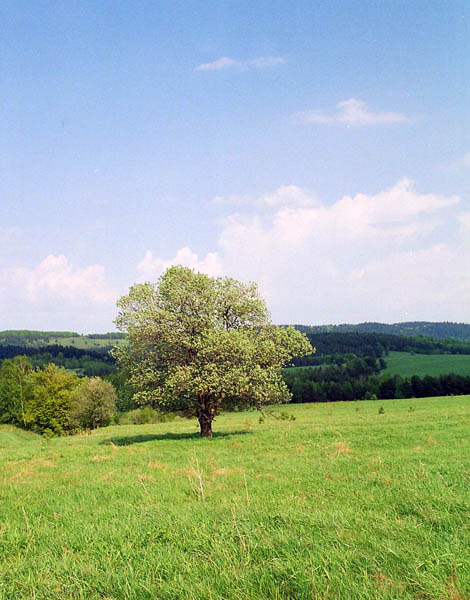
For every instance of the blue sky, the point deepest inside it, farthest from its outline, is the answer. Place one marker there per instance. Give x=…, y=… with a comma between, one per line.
x=321, y=149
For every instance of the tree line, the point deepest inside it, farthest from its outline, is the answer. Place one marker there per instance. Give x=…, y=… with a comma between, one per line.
x=89, y=363
x=360, y=379
x=441, y=330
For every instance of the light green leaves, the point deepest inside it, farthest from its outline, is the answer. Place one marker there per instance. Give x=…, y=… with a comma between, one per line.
x=198, y=344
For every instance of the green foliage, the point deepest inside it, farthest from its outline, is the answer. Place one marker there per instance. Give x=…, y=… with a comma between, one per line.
x=124, y=390
x=93, y=404
x=49, y=404
x=15, y=388
x=51, y=401
x=201, y=344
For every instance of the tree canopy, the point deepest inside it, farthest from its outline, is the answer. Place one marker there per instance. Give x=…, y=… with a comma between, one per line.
x=199, y=344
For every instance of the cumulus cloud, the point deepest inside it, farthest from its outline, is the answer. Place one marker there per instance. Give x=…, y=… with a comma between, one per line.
x=351, y=113
x=56, y=278
x=151, y=267
x=365, y=257
x=397, y=254
x=225, y=62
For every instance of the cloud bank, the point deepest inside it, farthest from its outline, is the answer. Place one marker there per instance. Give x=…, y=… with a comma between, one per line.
x=55, y=277
x=57, y=294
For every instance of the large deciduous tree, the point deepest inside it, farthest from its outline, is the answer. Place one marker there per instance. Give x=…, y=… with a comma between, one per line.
x=200, y=344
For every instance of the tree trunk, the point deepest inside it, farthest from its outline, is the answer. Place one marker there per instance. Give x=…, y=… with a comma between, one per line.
x=205, y=421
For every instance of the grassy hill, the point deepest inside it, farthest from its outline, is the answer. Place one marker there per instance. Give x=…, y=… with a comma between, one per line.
x=39, y=339
x=406, y=364
x=343, y=502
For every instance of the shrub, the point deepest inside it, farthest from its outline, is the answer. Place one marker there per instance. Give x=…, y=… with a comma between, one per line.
x=49, y=404
x=93, y=404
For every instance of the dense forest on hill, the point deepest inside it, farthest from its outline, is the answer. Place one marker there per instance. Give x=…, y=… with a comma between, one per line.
x=89, y=363
x=439, y=330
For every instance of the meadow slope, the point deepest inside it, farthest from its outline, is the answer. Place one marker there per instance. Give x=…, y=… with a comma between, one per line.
x=343, y=503
x=406, y=364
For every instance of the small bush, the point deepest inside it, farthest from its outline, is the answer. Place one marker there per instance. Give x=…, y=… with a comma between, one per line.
x=381, y=410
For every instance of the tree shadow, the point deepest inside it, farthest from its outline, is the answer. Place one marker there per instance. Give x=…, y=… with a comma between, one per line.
x=150, y=437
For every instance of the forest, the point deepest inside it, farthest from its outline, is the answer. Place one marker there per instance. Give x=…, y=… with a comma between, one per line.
x=440, y=330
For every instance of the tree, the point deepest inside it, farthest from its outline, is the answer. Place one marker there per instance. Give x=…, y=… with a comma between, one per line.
x=93, y=403
x=15, y=386
x=200, y=344
x=48, y=408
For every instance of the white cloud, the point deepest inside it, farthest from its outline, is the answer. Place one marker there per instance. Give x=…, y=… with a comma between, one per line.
x=289, y=195
x=393, y=211
x=225, y=62
x=151, y=267
x=394, y=255
x=352, y=113
x=56, y=278
x=366, y=257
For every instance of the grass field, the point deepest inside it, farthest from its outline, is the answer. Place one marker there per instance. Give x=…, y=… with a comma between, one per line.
x=407, y=365
x=85, y=343
x=343, y=503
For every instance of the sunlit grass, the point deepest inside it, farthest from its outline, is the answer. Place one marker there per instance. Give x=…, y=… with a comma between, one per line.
x=343, y=502
x=407, y=364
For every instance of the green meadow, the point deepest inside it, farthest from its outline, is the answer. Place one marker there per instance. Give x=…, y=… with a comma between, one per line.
x=85, y=343
x=406, y=364
x=342, y=502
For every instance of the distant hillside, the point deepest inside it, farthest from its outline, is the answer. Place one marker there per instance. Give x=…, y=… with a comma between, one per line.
x=439, y=330
x=39, y=339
